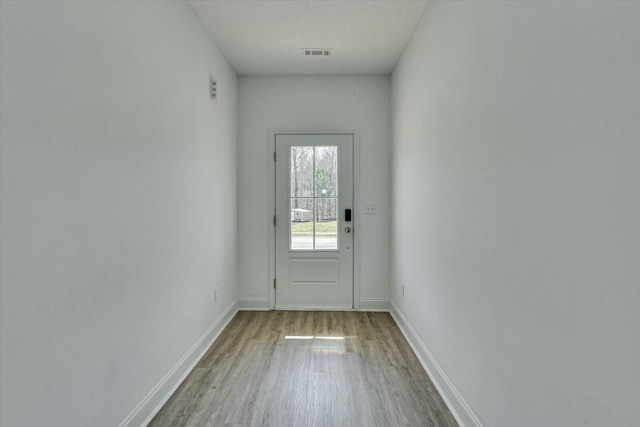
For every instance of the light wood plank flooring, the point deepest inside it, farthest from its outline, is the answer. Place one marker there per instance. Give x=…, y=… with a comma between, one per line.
x=256, y=374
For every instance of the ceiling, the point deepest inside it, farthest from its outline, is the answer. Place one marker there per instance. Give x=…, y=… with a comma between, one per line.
x=267, y=37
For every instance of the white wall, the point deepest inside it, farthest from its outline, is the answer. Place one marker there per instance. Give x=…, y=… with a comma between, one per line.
x=516, y=208
x=118, y=190
x=313, y=103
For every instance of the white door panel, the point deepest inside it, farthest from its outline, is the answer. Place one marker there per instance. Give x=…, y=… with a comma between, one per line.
x=314, y=242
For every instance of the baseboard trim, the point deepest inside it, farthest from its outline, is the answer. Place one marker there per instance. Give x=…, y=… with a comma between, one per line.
x=262, y=304
x=253, y=303
x=454, y=401
x=158, y=396
x=374, y=304
x=302, y=307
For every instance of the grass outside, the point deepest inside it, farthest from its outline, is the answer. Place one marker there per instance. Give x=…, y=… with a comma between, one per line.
x=306, y=228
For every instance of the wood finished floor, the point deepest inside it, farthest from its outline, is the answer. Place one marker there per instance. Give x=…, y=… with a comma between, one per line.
x=253, y=375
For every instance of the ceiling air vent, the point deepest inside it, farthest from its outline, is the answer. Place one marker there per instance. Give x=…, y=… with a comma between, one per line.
x=316, y=52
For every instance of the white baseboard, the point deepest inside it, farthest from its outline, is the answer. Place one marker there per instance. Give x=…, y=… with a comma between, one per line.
x=456, y=404
x=374, y=304
x=158, y=396
x=303, y=307
x=262, y=304
x=253, y=303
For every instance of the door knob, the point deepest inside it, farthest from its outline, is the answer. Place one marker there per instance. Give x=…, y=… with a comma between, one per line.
x=347, y=229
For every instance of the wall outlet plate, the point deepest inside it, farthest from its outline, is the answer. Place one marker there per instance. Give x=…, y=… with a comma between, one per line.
x=369, y=209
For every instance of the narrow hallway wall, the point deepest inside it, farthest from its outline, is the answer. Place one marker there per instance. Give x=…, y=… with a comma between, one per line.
x=342, y=103
x=118, y=203
x=516, y=208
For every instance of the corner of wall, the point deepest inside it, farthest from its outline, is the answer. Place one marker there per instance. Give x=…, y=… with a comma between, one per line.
x=374, y=304
x=160, y=394
x=454, y=401
x=253, y=304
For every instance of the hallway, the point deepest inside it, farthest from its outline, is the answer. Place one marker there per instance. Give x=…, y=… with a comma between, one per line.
x=486, y=211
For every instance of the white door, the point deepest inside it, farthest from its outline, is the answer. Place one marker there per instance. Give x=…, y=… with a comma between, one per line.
x=314, y=222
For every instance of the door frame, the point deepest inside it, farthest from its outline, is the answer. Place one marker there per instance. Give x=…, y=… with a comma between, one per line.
x=357, y=214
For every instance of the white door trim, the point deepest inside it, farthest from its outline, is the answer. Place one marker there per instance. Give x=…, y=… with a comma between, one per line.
x=272, y=209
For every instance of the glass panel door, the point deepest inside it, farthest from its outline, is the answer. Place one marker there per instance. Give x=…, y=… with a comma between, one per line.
x=313, y=233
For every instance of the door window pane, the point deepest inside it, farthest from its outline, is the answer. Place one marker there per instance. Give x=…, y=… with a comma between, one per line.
x=302, y=171
x=326, y=230
x=314, y=198
x=326, y=171
x=302, y=224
